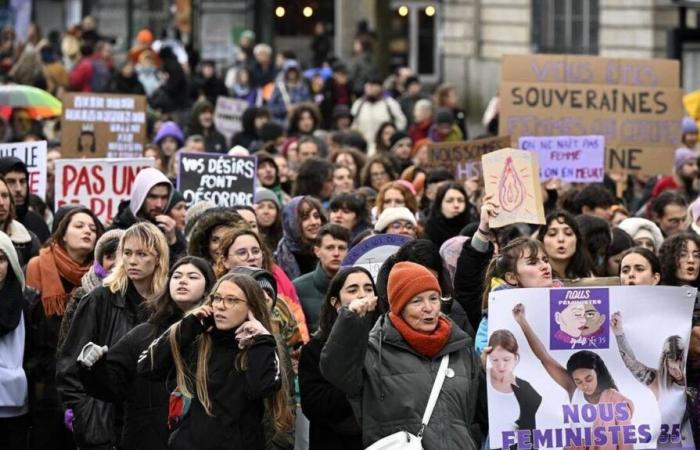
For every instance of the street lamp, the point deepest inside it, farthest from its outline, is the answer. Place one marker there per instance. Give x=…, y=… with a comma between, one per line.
x=307, y=11
x=279, y=11
x=403, y=11
x=430, y=11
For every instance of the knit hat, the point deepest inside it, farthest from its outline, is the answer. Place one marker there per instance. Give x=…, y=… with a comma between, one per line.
x=145, y=181
x=341, y=111
x=105, y=240
x=391, y=215
x=682, y=156
x=688, y=125
x=144, y=37
x=406, y=280
x=444, y=116
x=176, y=198
x=262, y=194
x=398, y=137
x=640, y=228
x=265, y=280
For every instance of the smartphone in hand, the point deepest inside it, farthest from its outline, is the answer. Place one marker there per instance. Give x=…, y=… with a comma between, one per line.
x=209, y=323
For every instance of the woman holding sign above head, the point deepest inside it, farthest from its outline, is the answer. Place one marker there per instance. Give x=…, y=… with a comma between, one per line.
x=667, y=383
x=586, y=380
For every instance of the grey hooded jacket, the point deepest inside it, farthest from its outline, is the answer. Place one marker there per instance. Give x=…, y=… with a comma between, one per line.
x=388, y=383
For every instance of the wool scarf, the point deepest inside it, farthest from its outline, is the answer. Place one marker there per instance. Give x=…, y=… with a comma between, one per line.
x=54, y=264
x=427, y=344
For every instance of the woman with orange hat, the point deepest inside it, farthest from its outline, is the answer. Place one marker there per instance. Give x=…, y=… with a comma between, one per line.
x=403, y=351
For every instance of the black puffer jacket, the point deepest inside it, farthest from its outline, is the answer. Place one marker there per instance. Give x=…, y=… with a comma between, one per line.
x=114, y=379
x=332, y=422
x=102, y=317
x=125, y=218
x=388, y=383
x=236, y=396
x=469, y=277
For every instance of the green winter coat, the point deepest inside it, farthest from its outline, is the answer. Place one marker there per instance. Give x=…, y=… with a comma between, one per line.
x=388, y=383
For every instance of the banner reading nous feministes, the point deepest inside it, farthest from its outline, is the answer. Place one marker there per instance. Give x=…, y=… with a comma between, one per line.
x=575, y=159
x=599, y=367
x=220, y=179
x=33, y=154
x=100, y=184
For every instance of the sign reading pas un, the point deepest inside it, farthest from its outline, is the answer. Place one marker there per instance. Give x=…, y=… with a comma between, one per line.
x=219, y=179
x=636, y=104
x=589, y=367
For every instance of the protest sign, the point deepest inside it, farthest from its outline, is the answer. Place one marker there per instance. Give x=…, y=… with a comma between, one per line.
x=33, y=154
x=575, y=159
x=598, y=367
x=100, y=184
x=463, y=159
x=513, y=178
x=372, y=252
x=635, y=103
x=227, y=115
x=99, y=125
x=220, y=179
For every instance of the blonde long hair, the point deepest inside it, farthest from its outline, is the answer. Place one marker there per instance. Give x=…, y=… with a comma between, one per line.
x=152, y=239
x=278, y=403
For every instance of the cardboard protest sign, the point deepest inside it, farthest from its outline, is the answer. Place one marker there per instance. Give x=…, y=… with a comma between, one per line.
x=587, y=371
x=372, y=252
x=227, y=115
x=635, y=103
x=99, y=125
x=463, y=158
x=220, y=179
x=513, y=178
x=100, y=184
x=575, y=159
x=33, y=154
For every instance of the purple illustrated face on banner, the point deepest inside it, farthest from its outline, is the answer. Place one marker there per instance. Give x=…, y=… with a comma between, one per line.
x=578, y=319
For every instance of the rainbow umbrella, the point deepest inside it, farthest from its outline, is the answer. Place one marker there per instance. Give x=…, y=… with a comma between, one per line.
x=39, y=103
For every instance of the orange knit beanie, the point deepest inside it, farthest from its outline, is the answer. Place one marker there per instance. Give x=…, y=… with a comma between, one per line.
x=406, y=280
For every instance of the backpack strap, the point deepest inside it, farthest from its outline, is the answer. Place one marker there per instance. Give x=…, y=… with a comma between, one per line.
x=434, y=393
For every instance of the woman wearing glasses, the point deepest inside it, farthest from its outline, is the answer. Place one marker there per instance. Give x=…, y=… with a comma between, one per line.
x=226, y=368
x=399, y=220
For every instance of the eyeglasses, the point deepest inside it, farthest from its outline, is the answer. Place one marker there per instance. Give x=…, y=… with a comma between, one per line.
x=398, y=225
x=242, y=253
x=228, y=302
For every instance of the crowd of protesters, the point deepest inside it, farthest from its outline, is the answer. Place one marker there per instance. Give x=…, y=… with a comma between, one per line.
x=236, y=328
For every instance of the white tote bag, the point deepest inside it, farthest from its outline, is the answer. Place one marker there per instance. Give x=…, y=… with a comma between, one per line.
x=404, y=440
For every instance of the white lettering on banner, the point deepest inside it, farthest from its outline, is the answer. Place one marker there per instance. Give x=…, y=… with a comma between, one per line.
x=33, y=154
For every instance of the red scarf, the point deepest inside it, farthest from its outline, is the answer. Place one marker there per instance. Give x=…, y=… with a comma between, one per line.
x=427, y=344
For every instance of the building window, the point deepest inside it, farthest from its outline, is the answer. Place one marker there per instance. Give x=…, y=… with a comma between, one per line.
x=565, y=26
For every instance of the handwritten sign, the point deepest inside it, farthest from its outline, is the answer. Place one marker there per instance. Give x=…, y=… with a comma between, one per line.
x=512, y=177
x=220, y=179
x=463, y=159
x=227, y=115
x=622, y=332
x=100, y=184
x=99, y=125
x=33, y=154
x=636, y=104
x=576, y=159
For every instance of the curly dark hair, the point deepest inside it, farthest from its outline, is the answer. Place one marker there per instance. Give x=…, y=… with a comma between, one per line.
x=295, y=115
x=670, y=255
x=389, y=168
x=311, y=176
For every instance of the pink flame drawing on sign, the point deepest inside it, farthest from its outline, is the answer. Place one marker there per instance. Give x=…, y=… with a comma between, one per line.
x=511, y=191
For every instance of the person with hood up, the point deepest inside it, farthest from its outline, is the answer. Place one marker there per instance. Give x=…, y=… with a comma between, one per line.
x=206, y=84
x=208, y=230
x=644, y=233
x=169, y=139
x=15, y=300
x=252, y=122
x=171, y=95
x=302, y=219
x=290, y=90
x=449, y=214
x=109, y=373
x=16, y=176
x=409, y=342
x=202, y=123
x=25, y=242
x=150, y=196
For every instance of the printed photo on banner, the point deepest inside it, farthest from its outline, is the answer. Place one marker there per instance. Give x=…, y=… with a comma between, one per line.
x=220, y=179
x=592, y=367
x=574, y=159
x=34, y=155
x=99, y=184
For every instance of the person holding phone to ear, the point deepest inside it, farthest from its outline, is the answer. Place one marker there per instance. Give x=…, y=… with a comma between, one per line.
x=226, y=370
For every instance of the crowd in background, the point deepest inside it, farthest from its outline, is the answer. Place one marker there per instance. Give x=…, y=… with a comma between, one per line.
x=211, y=327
